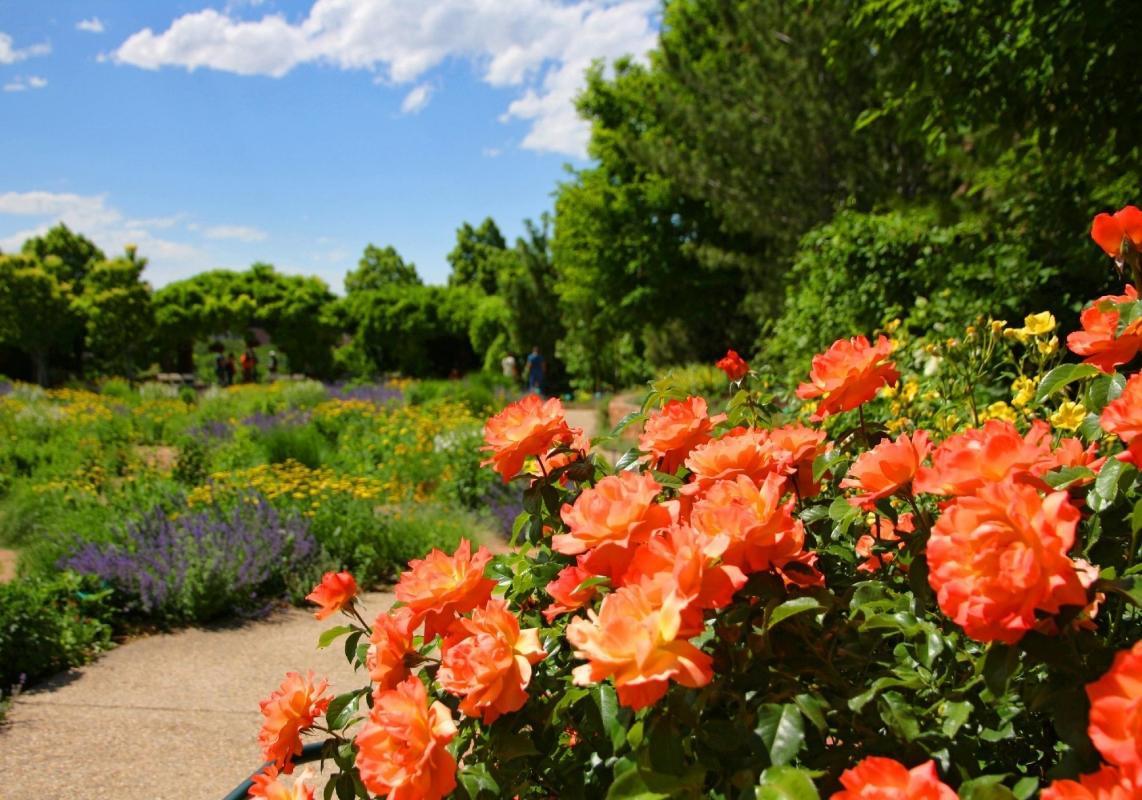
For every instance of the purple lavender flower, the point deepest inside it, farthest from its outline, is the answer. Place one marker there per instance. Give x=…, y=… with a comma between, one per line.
x=213, y=429
x=375, y=393
x=289, y=417
x=202, y=564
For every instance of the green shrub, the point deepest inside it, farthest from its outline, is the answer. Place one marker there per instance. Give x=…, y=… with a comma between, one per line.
x=300, y=443
x=191, y=466
x=50, y=625
x=117, y=388
x=482, y=393
x=860, y=271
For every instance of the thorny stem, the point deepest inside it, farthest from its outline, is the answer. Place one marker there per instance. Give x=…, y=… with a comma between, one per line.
x=352, y=611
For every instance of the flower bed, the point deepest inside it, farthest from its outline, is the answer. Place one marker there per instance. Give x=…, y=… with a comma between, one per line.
x=916, y=575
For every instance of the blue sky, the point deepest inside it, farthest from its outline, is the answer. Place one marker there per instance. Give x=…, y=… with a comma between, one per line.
x=215, y=133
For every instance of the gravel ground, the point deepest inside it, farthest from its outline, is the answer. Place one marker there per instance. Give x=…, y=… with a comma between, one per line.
x=166, y=717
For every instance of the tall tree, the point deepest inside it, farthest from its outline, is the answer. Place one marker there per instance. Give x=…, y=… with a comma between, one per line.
x=381, y=267
x=475, y=256
x=118, y=317
x=37, y=313
x=68, y=256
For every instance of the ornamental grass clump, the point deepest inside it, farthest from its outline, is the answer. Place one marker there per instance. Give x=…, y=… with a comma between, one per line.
x=204, y=563
x=885, y=581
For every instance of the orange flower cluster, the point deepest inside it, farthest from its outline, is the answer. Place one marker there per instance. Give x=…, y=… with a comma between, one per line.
x=1099, y=341
x=390, y=644
x=733, y=365
x=887, y=468
x=878, y=778
x=288, y=712
x=528, y=428
x=268, y=786
x=402, y=747
x=487, y=661
x=671, y=432
x=848, y=374
x=438, y=588
x=335, y=592
x=1123, y=418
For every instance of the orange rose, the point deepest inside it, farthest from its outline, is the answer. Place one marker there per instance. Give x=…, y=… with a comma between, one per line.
x=490, y=666
x=1112, y=232
x=1106, y=784
x=527, y=428
x=795, y=448
x=674, y=430
x=887, y=468
x=848, y=374
x=1000, y=556
x=682, y=561
x=438, y=587
x=1099, y=340
x=1123, y=418
x=288, y=712
x=389, y=643
x=877, y=778
x=733, y=365
x=267, y=786
x=336, y=591
x=866, y=544
x=402, y=747
x=1116, y=713
x=609, y=520
x=742, y=451
x=566, y=591
x=965, y=462
x=637, y=642
x=749, y=524
x=580, y=444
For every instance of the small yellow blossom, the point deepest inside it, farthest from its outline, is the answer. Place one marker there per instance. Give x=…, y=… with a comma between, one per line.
x=1039, y=324
x=999, y=410
x=997, y=326
x=1069, y=416
x=1023, y=391
x=892, y=326
x=1048, y=347
x=911, y=389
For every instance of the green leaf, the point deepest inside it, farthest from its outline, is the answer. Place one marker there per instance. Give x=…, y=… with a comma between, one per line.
x=608, y=704
x=999, y=665
x=987, y=787
x=1062, y=375
x=813, y=709
x=955, y=714
x=1063, y=478
x=790, y=608
x=786, y=783
x=520, y=521
x=341, y=709
x=1102, y=390
x=509, y=746
x=476, y=780
x=1102, y=496
x=628, y=460
x=899, y=716
x=351, y=644
x=632, y=783
x=781, y=730
x=625, y=422
x=328, y=637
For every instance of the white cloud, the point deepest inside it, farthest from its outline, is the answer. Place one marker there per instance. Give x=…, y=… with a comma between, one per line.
x=105, y=225
x=241, y=233
x=21, y=84
x=10, y=55
x=539, y=47
x=93, y=25
x=417, y=99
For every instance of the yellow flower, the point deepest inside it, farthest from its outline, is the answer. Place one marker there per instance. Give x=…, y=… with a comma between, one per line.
x=1048, y=347
x=999, y=410
x=911, y=389
x=997, y=326
x=1069, y=416
x=1039, y=324
x=1023, y=391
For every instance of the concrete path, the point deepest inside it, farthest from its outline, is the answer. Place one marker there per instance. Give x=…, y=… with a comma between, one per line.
x=166, y=717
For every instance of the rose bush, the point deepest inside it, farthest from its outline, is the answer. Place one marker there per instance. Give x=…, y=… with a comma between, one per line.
x=915, y=574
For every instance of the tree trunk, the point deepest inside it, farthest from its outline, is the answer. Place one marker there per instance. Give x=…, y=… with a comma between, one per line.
x=40, y=366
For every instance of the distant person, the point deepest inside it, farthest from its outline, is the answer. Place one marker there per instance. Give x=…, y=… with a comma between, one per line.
x=273, y=364
x=220, y=368
x=249, y=366
x=510, y=367
x=536, y=367
x=230, y=369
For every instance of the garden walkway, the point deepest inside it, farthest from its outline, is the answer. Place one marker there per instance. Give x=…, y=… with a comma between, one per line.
x=165, y=717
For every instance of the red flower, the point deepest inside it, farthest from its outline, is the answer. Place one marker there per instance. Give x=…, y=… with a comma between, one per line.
x=527, y=428
x=887, y=468
x=878, y=778
x=848, y=374
x=1000, y=556
x=733, y=365
x=1123, y=418
x=1099, y=340
x=335, y=592
x=1112, y=231
x=1116, y=713
x=1106, y=784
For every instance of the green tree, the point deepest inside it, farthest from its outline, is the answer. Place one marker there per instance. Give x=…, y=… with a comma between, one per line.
x=118, y=317
x=475, y=257
x=37, y=313
x=68, y=256
x=381, y=267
